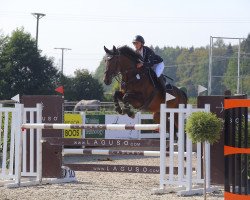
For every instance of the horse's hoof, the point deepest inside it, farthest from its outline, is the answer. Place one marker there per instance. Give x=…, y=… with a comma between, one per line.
x=131, y=115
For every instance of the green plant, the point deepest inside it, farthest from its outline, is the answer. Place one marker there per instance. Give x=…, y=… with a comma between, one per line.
x=203, y=126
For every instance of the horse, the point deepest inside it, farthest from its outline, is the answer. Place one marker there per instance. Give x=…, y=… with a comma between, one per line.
x=90, y=105
x=138, y=86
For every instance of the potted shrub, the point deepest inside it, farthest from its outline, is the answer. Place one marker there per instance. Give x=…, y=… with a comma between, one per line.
x=204, y=127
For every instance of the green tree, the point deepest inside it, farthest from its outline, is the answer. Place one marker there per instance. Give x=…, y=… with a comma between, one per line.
x=192, y=65
x=245, y=66
x=169, y=55
x=3, y=40
x=230, y=80
x=99, y=75
x=230, y=76
x=22, y=68
x=82, y=86
x=189, y=67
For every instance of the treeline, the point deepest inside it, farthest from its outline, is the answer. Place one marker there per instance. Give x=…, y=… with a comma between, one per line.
x=189, y=67
x=25, y=71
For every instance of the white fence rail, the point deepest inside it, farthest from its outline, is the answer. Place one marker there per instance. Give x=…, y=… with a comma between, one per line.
x=13, y=168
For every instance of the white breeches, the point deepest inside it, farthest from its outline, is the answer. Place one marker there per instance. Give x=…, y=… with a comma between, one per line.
x=158, y=69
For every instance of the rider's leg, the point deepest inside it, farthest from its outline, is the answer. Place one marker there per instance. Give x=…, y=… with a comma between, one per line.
x=158, y=68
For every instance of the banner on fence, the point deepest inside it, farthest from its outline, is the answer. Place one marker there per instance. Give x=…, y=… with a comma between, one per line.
x=121, y=119
x=95, y=119
x=72, y=119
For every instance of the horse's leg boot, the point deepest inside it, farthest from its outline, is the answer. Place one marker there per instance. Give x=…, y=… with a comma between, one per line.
x=118, y=108
x=126, y=108
x=131, y=114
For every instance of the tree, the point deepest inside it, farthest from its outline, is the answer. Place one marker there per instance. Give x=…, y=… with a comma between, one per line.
x=22, y=68
x=245, y=66
x=246, y=44
x=3, y=40
x=192, y=69
x=230, y=80
x=82, y=86
x=99, y=74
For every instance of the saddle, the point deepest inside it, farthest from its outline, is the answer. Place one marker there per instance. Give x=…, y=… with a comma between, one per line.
x=157, y=84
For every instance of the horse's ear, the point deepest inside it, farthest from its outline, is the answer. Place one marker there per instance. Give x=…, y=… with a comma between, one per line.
x=107, y=51
x=114, y=49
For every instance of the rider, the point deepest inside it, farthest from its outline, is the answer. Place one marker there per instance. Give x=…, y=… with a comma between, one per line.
x=150, y=59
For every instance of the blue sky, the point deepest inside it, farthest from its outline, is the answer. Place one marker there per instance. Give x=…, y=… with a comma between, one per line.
x=86, y=26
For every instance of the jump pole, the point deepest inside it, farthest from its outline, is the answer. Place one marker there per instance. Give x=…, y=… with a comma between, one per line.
x=68, y=151
x=92, y=126
x=109, y=152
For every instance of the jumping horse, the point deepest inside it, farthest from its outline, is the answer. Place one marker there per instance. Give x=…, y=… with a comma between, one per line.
x=138, y=86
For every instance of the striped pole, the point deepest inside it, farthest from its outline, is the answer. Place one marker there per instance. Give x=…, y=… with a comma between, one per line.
x=109, y=152
x=68, y=151
x=93, y=126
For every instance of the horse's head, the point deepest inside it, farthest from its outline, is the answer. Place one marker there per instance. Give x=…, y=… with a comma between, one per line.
x=121, y=60
x=112, y=65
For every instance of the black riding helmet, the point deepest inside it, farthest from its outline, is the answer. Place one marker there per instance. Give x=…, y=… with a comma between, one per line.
x=139, y=38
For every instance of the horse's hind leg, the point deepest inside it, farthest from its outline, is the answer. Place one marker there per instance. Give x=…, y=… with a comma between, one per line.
x=118, y=95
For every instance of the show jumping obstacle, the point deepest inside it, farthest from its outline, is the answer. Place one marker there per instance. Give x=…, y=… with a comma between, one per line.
x=185, y=176
x=102, y=142
x=114, y=127
x=113, y=152
x=236, y=149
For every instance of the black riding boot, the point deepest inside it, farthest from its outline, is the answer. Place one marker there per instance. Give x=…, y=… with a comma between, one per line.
x=162, y=82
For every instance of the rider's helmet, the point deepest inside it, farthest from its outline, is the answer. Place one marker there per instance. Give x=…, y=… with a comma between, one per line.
x=139, y=38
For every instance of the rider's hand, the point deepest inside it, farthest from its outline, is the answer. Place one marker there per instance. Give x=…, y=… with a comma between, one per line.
x=139, y=65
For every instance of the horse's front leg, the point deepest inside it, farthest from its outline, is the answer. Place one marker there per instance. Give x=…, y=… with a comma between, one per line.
x=126, y=100
x=118, y=96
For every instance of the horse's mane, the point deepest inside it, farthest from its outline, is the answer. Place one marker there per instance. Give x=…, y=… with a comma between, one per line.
x=129, y=52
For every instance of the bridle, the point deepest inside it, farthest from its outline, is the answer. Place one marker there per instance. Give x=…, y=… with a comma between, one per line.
x=121, y=72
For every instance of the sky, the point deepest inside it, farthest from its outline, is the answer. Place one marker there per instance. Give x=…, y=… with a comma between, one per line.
x=86, y=26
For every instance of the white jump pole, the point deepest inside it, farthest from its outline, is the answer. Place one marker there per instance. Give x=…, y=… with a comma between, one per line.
x=92, y=126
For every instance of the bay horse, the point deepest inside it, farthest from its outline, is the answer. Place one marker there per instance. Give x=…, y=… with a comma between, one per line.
x=138, y=87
